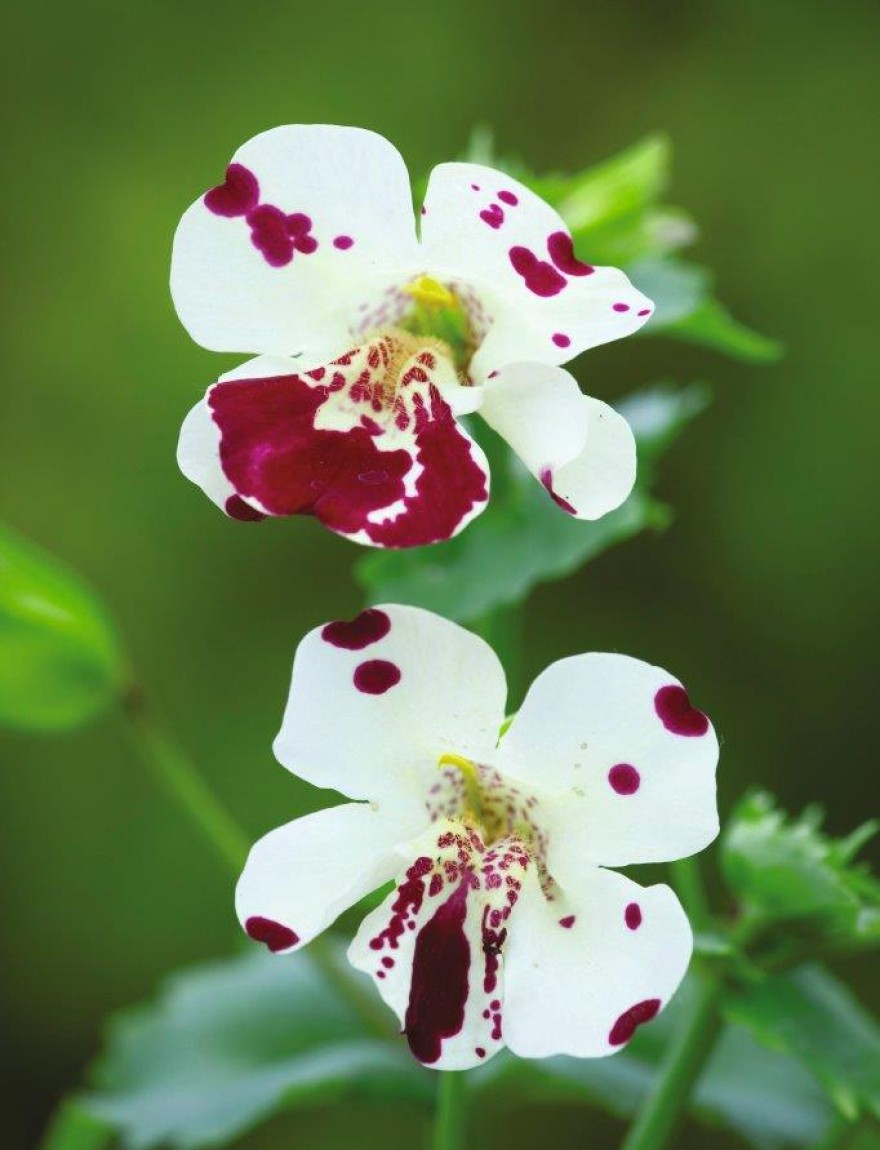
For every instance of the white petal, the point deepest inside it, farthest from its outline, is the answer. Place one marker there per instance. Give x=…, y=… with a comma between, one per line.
x=603, y=474
x=375, y=703
x=514, y=250
x=582, y=971
x=245, y=277
x=301, y=876
x=435, y=946
x=626, y=765
x=539, y=410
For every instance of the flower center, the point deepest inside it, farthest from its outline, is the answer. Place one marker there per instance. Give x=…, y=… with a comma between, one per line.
x=484, y=799
x=438, y=312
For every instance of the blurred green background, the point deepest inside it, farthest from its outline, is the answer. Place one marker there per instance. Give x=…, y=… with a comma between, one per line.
x=763, y=595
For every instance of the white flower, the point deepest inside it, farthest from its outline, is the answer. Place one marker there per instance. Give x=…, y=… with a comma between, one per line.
x=504, y=927
x=371, y=340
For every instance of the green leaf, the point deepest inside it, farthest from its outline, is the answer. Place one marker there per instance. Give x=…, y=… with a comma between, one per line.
x=713, y=326
x=765, y=1097
x=813, y=1017
x=785, y=870
x=74, y=1128
x=228, y=1044
x=523, y=538
x=60, y=658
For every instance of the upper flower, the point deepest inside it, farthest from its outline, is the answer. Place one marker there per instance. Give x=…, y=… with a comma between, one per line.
x=371, y=340
x=503, y=926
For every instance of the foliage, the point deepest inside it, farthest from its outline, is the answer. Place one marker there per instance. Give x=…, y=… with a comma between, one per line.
x=60, y=657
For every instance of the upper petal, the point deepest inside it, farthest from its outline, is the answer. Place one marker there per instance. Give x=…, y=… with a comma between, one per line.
x=543, y=303
x=603, y=473
x=300, y=877
x=627, y=765
x=583, y=971
x=374, y=704
x=312, y=223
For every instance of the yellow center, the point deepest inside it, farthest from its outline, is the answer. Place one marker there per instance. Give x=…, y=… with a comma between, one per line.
x=428, y=291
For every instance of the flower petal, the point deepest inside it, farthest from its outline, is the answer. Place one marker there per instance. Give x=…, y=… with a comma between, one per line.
x=602, y=476
x=375, y=703
x=434, y=947
x=515, y=252
x=583, y=971
x=626, y=764
x=300, y=877
x=386, y=470
x=311, y=226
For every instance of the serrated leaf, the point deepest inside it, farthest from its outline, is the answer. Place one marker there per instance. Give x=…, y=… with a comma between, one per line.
x=785, y=870
x=810, y=1015
x=523, y=538
x=765, y=1097
x=229, y=1043
x=60, y=658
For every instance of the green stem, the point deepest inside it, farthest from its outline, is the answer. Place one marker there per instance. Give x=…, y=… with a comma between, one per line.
x=687, y=878
x=449, y=1122
x=181, y=780
x=664, y=1107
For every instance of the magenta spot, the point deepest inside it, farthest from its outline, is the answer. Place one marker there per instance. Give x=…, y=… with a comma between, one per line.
x=624, y=779
x=236, y=508
x=676, y=713
x=343, y=243
x=236, y=196
x=475, y=187
x=540, y=278
x=376, y=676
x=568, y=922
x=356, y=634
x=625, y=1027
x=632, y=916
x=508, y=198
x=388, y=962
x=561, y=339
x=493, y=216
x=561, y=248
x=547, y=482
x=645, y=311
x=270, y=236
x=439, y=986
x=274, y=935
x=479, y=1051
x=621, y=307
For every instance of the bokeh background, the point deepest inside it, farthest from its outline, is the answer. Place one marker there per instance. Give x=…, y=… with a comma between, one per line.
x=763, y=594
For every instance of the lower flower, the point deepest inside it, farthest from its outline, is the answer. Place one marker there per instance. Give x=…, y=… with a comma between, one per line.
x=504, y=927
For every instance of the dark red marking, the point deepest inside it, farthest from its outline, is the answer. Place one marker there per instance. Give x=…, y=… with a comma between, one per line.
x=479, y=1051
x=547, y=482
x=625, y=1027
x=632, y=916
x=439, y=987
x=561, y=248
x=236, y=508
x=561, y=339
x=236, y=196
x=567, y=922
x=355, y=634
x=274, y=935
x=540, y=277
x=624, y=779
x=675, y=712
x=343, y=243
x=410, y=895
x=621, y=307
x=376, y=676
x=645, y=311
x=508, y=198
x=493, y=216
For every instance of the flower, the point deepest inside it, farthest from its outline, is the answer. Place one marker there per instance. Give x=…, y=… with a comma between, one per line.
x=504, y=926
x=370, y=342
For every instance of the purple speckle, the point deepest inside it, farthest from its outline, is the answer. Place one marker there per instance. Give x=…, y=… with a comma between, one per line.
x=632, y=916
x=376, y=676
x=508, y=198
x=568, y=922
x=624, y=779
x=275, y=935
x=561, y=339
x=645, y=311
x=675, y=712
x=621, y=307
x=343, y=243
x=355, y=634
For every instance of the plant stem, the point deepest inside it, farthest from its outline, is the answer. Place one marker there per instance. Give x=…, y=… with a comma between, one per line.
x=181, y=780
x=449, y=1121
x=687, y=878
x=662, y=1110
x=178, y=776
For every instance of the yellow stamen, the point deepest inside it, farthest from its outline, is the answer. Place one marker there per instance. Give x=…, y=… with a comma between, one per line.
x=471, y=776
x=428, y=291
